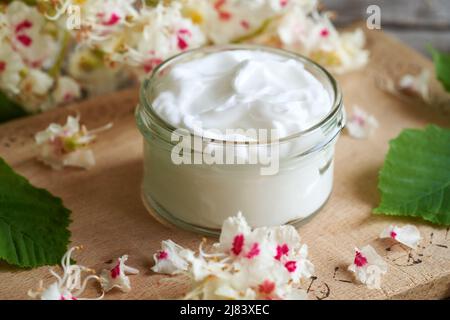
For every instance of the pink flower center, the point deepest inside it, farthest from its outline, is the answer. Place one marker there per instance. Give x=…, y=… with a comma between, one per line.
x=282, y=251
x=324, y=32
x=25, y=24
x=393, y=234
x=223, y=15
x=245, y=24
x=360, y=260
x=254, y=251
x=291, y=266
x=238, y=244
x=113, y=19
x=24, y=39
x=115, y=272
x=267, y=287
x=182, y=43
x=359, y=120
x=162, y=255
x=68, y=96
x=151, y=64
x=2, y=66
x=284, y=3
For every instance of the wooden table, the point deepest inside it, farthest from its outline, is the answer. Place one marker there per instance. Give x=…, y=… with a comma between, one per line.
x=110, y=220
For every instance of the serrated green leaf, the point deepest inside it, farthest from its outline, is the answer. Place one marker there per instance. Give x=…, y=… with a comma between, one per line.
x=442, y=65
x=33, y=223
x=415, y=178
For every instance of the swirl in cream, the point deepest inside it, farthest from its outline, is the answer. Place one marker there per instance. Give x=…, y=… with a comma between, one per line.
x=241, y=89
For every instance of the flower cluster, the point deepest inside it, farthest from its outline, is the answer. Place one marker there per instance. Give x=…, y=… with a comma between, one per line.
x=30, y=59
x=263, y=263
x=118, y=40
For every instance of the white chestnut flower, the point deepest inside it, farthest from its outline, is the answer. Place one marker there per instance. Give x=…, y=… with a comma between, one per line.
x=417, y=85
x=163, y=32
x=303, y=29
x=408, y=235
x=368, y=267
x=299, y=30
x=169, y=260
x=11, y=67
x=100, y=18
x=67, y=90
x=70, y=285
x=360, y=124
x=28, y=36
x=88, y=68
x=67, y=145
x=35, y=89
x=246, y=263
x=104, y=17
x=225, y=21
x=117, y=276
x=36, y=82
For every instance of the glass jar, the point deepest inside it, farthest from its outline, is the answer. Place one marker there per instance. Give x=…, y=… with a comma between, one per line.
x=199, y=197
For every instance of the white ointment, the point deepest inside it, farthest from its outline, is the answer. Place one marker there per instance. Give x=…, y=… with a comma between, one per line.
x=241, y=89
x=209, y=91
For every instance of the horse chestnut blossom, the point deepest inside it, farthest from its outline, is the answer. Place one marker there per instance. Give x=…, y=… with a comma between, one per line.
x=157, y=34
x=116, y=277
x=67, y=89
x=312, y=34
x=67, y=145
x=227, y=21
x=87, y=67
x=108, y=43
x=360, y=124
x=368, y=267
x=69, y=286
x=29, y=35
x=408, y=235
x=102, y=19
x=418, y=85
x=29, y=58
x=246, y=263
x=169, y=260
x=11, y=67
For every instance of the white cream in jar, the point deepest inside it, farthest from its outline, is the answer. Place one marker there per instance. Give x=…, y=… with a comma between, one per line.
x=239, y=88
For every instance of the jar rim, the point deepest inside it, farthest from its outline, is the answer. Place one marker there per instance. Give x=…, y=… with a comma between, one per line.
x=336, y=105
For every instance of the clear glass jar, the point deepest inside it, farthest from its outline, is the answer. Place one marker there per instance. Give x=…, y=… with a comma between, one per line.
x=199, y=197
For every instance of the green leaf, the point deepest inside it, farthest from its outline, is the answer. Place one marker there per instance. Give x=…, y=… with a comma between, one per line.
x=33, y=223
x=9, y=109
x=442, y=65
x=415, y=178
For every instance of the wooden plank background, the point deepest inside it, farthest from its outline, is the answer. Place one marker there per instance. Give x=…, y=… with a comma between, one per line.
x=110, y=220
x=416, y=22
